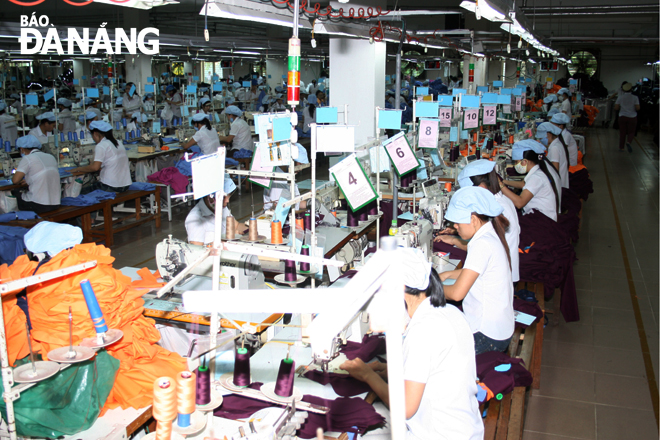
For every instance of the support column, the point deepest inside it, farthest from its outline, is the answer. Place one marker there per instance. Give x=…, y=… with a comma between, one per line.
x=138, y=66
x=275, y=68
x=81, y=67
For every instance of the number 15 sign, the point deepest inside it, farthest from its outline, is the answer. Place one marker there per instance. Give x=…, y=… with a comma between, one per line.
x=353, y=182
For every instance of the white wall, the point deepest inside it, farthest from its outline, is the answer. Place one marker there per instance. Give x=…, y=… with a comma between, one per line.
x=275, y=69
x=138, y=68
x=625, y=64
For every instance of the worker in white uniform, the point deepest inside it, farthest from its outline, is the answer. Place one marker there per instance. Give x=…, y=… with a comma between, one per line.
x=200, y=222
x=278, y=106
x=562, y=121
x=550, y=136
x=484, y=283
x=137, y=119
x=40, y=172
x=627, y=105
x=175, y=99
x=85, y=120
x=45, y=127
x=240, y=136
x=8, y=128
x=541, y=189
x=206, y=136
x=312, y=88
x=117, y=113
x=148, y=103
x=132, y=100
x=281, y=188
x=564, y=97
x=110, y=159
x=439, y=377
x=91, y=104
x=65, y=119
x=549, y=101
x=205, y=106
x=482, y=173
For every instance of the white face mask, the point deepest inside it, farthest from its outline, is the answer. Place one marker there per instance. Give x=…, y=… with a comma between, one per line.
x=561, y=98
x=520, y=168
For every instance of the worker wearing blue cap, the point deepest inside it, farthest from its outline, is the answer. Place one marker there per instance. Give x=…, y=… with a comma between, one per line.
x=132, y=100
x=86, y=119
x=174, y=99
x=110, y=159
x=148, y=103
x=562, y=121
x=484, y=283
x=137, y=119
x=206, y=136
x=240, y=136
x=564, y=97
x=482, y=173
x=65, y=119
x=557, y=150
x=8, y=128
x=40, y=172
x=541, y=189
x=44, y=127
x=200, y=222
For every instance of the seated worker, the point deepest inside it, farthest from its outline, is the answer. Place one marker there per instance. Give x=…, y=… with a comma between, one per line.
x=205, y=107
x=440, y=378
x=562, y=120
x=65, y=119
x=110, y=158
x=541, y=189
x=239, y=135
x=148, y=103
x=40, y=172
x=484, y=283
x=550, y=136
x=482, y=173
x=282, y=188
x=92, y=104
x=88, y=118
x=278, y=106
x=132, y=101
x=137, y=119
x=8, y=128
x=45, y=127
x=117, y=113
x=206, y=136
x=200, y=222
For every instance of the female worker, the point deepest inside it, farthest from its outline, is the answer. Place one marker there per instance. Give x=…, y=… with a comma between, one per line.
x=562, y=120
x=564, y=97
x=482, y=173
x=137, y=119
x=484, y=284
x=627, y=105
x=40, y=172
x=148, y=103
x=88, y=118
x=240, y=136
x=45, y=127
x=204, y=106
x=65, y=119
x=541, y=189
x=206, y=136
x=110, y=158
x=439, y=378
x=550, y=136
x=132, y=101
x=174, y=98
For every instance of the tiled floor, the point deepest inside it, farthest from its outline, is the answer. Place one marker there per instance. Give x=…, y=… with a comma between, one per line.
x=593, y=379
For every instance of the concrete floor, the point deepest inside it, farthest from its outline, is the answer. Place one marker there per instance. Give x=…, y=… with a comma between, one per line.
x=594, y=378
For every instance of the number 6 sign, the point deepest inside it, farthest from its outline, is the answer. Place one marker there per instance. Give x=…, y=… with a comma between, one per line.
x=471, y=118
x=490, y=115
x=402, y=156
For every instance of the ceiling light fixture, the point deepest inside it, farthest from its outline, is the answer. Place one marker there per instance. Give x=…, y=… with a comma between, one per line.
x=483, y=8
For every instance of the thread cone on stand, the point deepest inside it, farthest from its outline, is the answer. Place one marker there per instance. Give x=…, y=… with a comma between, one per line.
x=231, y=228
x=304, y=250
x=203, y=385
x=242, y=367
x=164, y=408
x=290, y=273
x=253, y=233
x=186, y=395
x=285, y=378
x=276, y=232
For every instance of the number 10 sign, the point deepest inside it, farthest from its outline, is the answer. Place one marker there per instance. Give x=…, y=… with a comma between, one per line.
x=471, y=118
x=353, y=182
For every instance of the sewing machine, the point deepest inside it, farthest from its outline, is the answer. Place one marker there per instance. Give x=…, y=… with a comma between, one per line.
x=433, y=209
x=8, y=165
x=418, y=234
x=237, y=271
x=183, y=134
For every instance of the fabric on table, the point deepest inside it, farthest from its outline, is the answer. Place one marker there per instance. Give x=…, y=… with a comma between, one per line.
x=502, y=382
x=454, y=252
x=243, y=153
x=343, y=384
x=531, y=308
x=580, y=182
x=142, y=186
x=88, y=199
x=569, y=219
x=6, y=182
x=231, y=162
x=17, y=215
x=11, y=244
x=547, y=256
x=183, y=165
x=149, y=280
x=370, y=347
x=171, y=176
x=141, y=360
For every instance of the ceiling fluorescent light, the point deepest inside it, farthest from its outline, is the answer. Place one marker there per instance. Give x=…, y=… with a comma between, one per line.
x=484, y=9
x=221, y=10
x=139, y=4
x=246, y=52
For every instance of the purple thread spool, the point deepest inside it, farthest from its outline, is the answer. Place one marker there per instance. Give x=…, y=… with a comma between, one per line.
x=203, y=380
x=308, y=221
x=285, y=377
x=242, y=367
x=363, y=214
x=290, y=274
x=304, y=250
x=352, y=219
x=373, y=208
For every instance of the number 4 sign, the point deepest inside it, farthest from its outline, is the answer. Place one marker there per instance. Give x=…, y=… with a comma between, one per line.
x=353, y=182
x=402, y=156
x=490, y=115
x=471, y=118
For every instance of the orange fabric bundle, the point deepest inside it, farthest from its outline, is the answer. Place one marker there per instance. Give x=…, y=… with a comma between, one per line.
x=591, y=112
x=142, y=361
x=579, y=165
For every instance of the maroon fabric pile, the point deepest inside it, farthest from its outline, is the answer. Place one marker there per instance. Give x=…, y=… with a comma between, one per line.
x=502, y=382
x=531, y=308
x=569, y=218
x=580, y=182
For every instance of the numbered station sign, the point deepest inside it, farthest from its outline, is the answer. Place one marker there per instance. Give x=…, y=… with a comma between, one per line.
x=353, y=182
x=428, y=133
x=490, y=115
x=471, y=118
x=401, y=154
x=518, y=104
x=445, y=116
x=257, y=165
x=506, y=109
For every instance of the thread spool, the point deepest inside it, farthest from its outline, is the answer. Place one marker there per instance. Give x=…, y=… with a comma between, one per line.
x=93, y=306
x=307, y=221
x=231, y=228
x=276, y=232
x=242, y=367
x=253, y=233
x=186, y=395
x=352, y=219
x=448, y=186
x=290, y=273
x=203, y=379
x=285, y=378
x=363, y=214
x=304, y=250
x=373, y=208
x=300, y=222
x=511, y=139
x=164, y=406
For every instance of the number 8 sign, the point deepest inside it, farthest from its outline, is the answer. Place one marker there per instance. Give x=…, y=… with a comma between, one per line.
x=471, y=118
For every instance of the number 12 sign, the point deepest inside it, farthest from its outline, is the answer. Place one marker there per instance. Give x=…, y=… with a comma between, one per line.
x=401, y=155
x=490, y=115
x=353, y=182
x=471, y=118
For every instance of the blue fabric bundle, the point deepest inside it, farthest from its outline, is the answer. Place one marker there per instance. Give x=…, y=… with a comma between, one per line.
x=88, y=199
x=11, y=243
x=142, y=186
x=17, y=215
x=243, y=154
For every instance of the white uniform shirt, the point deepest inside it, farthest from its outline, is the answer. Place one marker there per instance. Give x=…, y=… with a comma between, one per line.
x=556, y=153
x=175, y=105
x=131, y=105
x=42, y=177
x=207, y=140
x=242, y=135
x=449, y=409
x=544, y=199
x=308, y=119
x=8, y=129
x=512, y=235
x=572, y=147
x=67, y=120
x=200, y=223
x=132, y=126
x=148, y=106
x=566, y=106
x=279, y=188
x=488, y=306
x=115, y=171
x=277, y=107
x=99, y=113
x=36, y=132
x=627, y=101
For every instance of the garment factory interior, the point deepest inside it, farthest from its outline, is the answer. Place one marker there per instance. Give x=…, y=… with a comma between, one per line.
x=493, y=163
